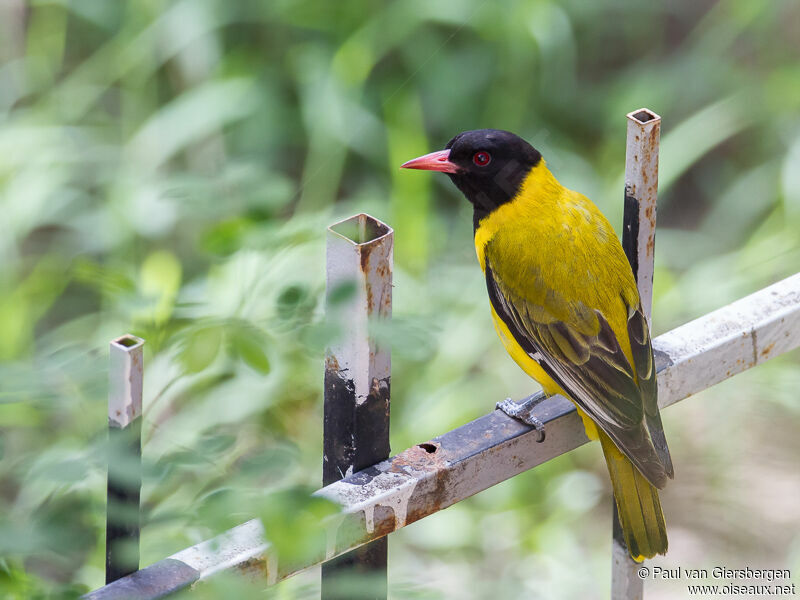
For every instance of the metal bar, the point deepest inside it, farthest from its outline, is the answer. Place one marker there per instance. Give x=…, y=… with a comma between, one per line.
x=730, y=340
x=124, y=456
x=625, y=584
x=641, y=187
x=434, y=475
x=638, y=241
x=357, y=377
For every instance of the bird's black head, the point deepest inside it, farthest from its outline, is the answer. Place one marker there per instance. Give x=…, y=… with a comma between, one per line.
x=487, y=165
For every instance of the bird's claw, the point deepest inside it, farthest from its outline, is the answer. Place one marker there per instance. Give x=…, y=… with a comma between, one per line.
x=523, y=411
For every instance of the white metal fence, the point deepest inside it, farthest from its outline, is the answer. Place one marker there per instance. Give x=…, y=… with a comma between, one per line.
x=377, y=499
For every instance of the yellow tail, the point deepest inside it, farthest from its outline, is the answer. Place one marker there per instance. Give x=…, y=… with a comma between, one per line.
x=637, y=503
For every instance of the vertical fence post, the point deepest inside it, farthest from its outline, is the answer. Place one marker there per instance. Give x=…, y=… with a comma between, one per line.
x=124, y=456
x=357, y=378
x=638, y=241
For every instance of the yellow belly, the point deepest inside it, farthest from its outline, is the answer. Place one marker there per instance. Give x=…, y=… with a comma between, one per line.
x=532, y=368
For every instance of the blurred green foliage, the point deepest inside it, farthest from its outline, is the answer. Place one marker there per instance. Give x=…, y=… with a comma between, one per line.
x=168, y=169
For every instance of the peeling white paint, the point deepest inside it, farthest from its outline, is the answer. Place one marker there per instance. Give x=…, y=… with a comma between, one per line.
x=369, y=518
x=400, y=503
x=397, y=501
x=386, y=489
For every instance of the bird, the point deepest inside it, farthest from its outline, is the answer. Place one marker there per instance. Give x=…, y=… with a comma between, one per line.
x=565, y=305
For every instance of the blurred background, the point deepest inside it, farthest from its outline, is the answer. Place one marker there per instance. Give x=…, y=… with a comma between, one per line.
x=168, y=169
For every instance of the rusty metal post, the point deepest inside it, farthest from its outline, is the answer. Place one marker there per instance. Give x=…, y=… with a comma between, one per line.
x=641, y=189
x=124, y=456
x=638, y=241
x=357, y=378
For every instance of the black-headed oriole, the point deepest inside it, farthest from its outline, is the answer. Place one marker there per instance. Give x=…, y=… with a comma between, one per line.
x=565, y=304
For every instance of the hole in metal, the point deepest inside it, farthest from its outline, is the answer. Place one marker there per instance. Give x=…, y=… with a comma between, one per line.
x=128, y=341
x=429, y=448
x=643, y=116
x=361, y=229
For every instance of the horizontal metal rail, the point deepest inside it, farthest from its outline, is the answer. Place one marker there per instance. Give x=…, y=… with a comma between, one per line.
x=433, y=475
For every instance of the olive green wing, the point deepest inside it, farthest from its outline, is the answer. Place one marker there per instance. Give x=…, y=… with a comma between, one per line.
x=583, y=356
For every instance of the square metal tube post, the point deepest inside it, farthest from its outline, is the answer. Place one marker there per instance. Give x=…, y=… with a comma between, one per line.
x=124, y=456
x=357, y=379
x=638, y=241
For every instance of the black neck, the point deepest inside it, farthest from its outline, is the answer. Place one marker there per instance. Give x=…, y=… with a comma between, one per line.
x=478, y=214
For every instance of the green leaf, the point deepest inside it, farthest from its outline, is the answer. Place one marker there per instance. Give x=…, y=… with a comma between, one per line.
x=201, y=348
x=249, y=345
x=160, y=280
x=226, y=237
x=290, y=300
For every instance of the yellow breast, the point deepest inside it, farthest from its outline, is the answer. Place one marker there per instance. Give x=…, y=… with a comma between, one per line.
x=555, y=248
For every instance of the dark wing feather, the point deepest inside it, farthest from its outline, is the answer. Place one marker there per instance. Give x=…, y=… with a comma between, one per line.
x=593, y=370
x=644, y=361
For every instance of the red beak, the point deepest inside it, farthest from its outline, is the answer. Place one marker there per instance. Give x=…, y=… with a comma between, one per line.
x=435, y=161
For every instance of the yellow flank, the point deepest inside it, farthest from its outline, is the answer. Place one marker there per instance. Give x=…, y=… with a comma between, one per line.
x=526, y=363
x=588, y=425
x=539, y=239
x=532, y=368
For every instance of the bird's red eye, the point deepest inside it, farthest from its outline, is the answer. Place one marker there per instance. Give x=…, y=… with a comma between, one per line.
x=482, y=158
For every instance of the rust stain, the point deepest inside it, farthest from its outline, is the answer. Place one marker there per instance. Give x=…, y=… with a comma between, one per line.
x=370, y=298
x=331, y=363
x=385, y=522
x=386, y=305
x=379, y=388
x=364, y=253
x=427, y=457
x=419, y=458
x=768, y=349
x=254, y=567
x=383, y=270
x=436, y=500
x=383, y=273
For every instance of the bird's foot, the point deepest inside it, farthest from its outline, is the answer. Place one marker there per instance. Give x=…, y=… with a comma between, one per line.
x=523, y=411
